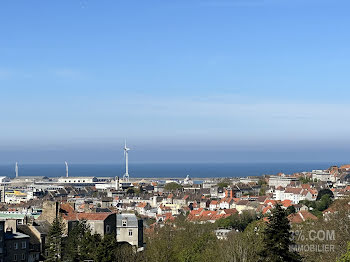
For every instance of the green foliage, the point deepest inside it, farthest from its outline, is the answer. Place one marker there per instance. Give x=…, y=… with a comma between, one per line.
x=345, y=257
x=223, y=184
x=305, y=180
x=181, y=243
x=242, y=246
x=324, y=202
x=262, y=182
x=236, y=221
x=130, y=191
x=323, y=192
x=172, y=186
x=262, y=191
x=54, y=241
x=105, y=251
x=316, y=207
x=80, y=243
x=194, y=252
x=277, y=239
x=290, y=210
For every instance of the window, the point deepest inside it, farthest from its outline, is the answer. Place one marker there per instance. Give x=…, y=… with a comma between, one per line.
x=130, y=232
x=23, y=256
x=15, y=245
x=15, y=257
x=108, y=229
x=124, y=223
x=24, y=244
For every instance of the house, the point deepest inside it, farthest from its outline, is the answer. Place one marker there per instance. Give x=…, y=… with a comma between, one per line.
x=228, y=212
x=2, y=240
x=99, y=223
x=227, y=203
x=244, y=205
x=204, y=202
x=203, y=216
x=142, y=208
x=35, y=246
x=16, y=244
x=78, y=180
x=300, y=217
x=281, y=180
x=165, y=217
x=213, y=205
x=130, y=230
x=221, y=234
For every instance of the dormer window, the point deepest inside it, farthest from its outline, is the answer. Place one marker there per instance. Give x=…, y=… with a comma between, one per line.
x=124, y=223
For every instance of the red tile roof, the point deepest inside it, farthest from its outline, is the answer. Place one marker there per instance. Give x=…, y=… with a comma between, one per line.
x=301, y=216
x=286, y=203
x=141, y=205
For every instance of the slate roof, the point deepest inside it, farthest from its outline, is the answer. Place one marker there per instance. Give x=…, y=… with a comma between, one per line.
x=132, y=220
x=33, y=240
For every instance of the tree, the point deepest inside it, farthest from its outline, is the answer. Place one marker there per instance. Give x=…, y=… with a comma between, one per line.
x=305, y=180
x=172, y=186
x=323, y=192
x=182, y=242
x=106, y=250
x=236, y=221
x=242, y=246
x=277, y=239
x=80, y=243
x=324, y=202
x=290, y=210
x=223, y=184
x=54, y=241
x=262, y=181
x=130, y=191
x=345, y=257
x=262, y=191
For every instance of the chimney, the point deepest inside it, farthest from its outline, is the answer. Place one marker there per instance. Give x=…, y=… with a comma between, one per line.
x=11, y=225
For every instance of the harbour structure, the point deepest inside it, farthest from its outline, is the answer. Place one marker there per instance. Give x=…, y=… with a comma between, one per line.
x=66, y=168
x=126, y=155
x=16, y=169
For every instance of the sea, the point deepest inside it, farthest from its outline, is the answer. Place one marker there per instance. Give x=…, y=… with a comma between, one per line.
x=163, y=170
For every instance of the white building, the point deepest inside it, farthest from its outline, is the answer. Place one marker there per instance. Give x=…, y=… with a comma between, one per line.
x=4, y=179
x=188, y=181
x=283, y=180
x=77, y=180
x=323, y=175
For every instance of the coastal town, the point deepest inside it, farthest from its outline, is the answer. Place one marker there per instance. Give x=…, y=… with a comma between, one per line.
x=133, y=208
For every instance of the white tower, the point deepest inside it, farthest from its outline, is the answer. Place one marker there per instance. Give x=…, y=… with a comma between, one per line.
x=16, y=169
x=66, y=168
x=126, y=175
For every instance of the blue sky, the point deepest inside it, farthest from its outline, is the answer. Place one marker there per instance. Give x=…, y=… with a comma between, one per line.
x=192, y=80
